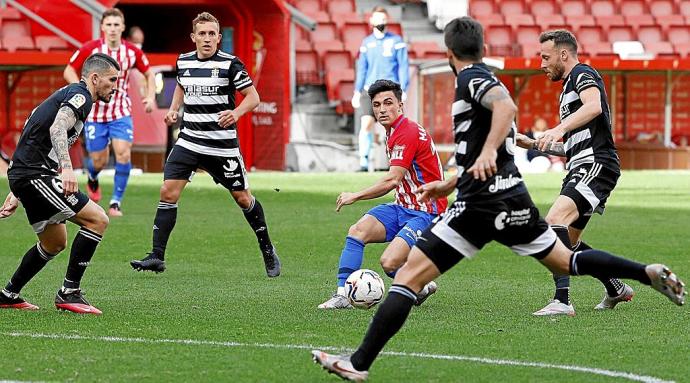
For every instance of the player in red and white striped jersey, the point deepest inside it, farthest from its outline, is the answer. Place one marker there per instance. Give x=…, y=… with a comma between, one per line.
x=111, y=122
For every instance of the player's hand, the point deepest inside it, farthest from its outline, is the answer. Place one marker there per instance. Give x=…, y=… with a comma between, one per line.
x=548, y=138
x=9, y=207
x=171, y=117
x=485, y=165
x=524, y=142
x=69, y=181
x=148, y=104
x=432, y=191
x=345, y=198
x=227, y=117
x=356, y=100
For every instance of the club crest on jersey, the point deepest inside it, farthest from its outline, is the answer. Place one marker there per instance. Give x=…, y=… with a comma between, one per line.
x=214, y=72
x=397, y=152
x=77, y=101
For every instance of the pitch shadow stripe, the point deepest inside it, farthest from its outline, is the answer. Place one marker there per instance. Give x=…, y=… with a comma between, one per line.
x=499, y=362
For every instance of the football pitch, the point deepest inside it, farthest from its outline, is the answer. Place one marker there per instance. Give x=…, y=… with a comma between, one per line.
x=215, y=316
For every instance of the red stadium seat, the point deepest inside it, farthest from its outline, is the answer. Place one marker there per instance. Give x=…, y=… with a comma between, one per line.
x=15, y=29
x=324, y=32
x=511, y=7
x=395, y=28
x=340, y=6
x=345, y=90
x=603, y=8
x=9, y=13
x=661, y=7
x=341, y=19
x=530, y=49
x=574, y=7
x=46, y=43
x=633, y=7
x=667, y=22
x=334, y=78
x=527, y=35
x=487, y=21
x=684, y=8
x=336, y=60
x=544, y=8
x=649, y=34
x=500, y=41
x=683, y=49
x=355, y=32
x=607, y=22
x=352, y=47
x=598, y=49
x=318, y=16
x=591, y=34
x=636, y=21
x=549, y=21
x=579, y=21
x=481, y=8
x=321, y=47
x=662, y=48
x=13, y=43
x=307, y=68
x=679, y=34
x=301, y=45
x=308, y=5
x=519, y=20
x=425, y=49
x=621, y=33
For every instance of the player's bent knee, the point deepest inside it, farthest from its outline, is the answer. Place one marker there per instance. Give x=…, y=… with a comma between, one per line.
x=169, y=195
x=54, y=246
x=390, y=263
x=243, y=199
x=357, y=232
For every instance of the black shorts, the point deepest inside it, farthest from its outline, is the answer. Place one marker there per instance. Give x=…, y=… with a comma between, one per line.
x=226, y=171
x=45, y=202
x=467, y=226
x=589, y=186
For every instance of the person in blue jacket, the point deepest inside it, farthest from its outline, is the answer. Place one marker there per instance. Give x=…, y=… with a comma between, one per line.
x=382, y=55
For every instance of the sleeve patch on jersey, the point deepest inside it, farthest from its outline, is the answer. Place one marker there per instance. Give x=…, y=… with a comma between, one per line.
x=398, y=152
x=77, y=101
x=240, y=74
x=584, y=80
x=476, y=86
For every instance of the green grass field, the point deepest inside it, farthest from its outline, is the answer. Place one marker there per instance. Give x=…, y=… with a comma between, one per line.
x=214, y=316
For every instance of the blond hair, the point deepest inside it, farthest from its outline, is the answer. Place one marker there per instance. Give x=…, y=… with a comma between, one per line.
x=204, y=17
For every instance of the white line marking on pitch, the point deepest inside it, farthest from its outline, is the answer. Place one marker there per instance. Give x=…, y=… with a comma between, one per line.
x=500, y=362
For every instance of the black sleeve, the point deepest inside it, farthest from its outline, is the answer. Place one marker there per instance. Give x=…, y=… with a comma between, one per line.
x=79, y=100
x=584, y=78
x=239, y=76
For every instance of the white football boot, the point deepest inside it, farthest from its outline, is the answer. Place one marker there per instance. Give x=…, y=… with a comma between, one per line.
x=336, y=302
x=611, y=302
x=426, y=292
x=555, y=307
x=667, y=283
x=339, y=365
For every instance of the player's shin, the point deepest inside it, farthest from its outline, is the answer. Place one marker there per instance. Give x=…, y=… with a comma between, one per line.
x=83, y=248
x=601, y=264
x=614, y=287
x=350, y=261
x=387, y=321
x=33, y=261
x=163, y=225
x=254, y=215
x=122, y=172
x=562, y=282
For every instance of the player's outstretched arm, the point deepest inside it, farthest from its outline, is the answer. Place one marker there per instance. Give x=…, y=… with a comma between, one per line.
x=251, y=101
x=10, y=206
x=64, y=120
x=436, y=189
x=556, y=148
x=590, y=109
x=384, y=185
x=503, y=110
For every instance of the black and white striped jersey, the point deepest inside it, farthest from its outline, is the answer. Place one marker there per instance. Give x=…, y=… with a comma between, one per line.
x=472, y=123
x=209, y=88
x=592, y=142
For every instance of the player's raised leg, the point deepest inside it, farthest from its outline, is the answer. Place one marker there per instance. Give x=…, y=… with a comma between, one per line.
x=93, y=222
x=369, y=229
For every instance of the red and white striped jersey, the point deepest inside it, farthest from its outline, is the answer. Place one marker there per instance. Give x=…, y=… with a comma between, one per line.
x=410, y=146
x=128, y=56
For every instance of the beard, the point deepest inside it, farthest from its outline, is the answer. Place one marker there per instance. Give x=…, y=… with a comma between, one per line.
x=557, y=73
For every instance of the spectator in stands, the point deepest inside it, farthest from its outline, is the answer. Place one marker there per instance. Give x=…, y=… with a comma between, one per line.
x=136, y=36
x=382, y=55
x=111, y=123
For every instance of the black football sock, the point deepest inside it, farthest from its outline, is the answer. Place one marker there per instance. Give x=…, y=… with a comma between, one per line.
x=614, y=287
x=387, y=321
x=601, y=264
x=255, y=216
x=83, y=248
x=33, y=261
x=163, y=225
x=562, y=282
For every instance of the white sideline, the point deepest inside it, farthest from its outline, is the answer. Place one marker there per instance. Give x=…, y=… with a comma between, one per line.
x=500, y=362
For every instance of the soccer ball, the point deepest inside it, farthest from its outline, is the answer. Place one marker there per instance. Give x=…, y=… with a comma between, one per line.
x=364, y=289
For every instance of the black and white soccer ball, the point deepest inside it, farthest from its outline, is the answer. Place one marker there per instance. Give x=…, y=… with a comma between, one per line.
x=364, y=289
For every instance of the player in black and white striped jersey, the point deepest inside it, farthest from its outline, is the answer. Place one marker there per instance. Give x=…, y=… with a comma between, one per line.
x=207, y=82
x=593, y=165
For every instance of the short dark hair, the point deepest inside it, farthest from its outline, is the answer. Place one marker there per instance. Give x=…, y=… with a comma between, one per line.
x=380, y=86
x=561, y=38
x=99, y=63
x=464, y=36
x=113, y=12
